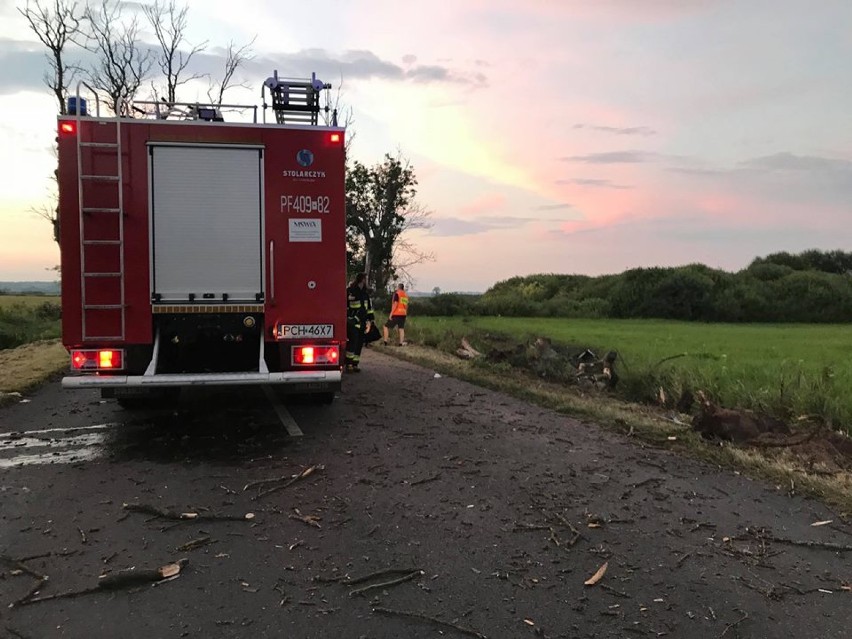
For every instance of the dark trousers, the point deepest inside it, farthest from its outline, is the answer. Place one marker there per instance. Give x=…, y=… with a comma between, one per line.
x=354, y=341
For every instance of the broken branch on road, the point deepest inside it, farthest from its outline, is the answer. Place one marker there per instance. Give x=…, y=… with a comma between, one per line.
x=385, y=584
x=124, y=579
x=189, y=516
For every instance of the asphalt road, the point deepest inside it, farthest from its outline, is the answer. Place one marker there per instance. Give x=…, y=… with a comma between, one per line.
x=506, y=508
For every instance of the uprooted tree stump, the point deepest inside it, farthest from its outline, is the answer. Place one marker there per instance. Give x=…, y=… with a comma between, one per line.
x=738, y=426
x=543, y=358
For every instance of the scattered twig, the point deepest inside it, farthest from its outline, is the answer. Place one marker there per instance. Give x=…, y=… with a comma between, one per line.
x=808, y=544
x=310, y=520
x=378, y=575
x=615, y=592
x=577, y=534
x=529, y=527
x=647, y=481
x=190, y=516
x=427, y=479
x=289, y=481
x=20, y=565
x=734, y=624
x=385, y=584
x=30, y=593
x=64, y=553
x=82, y=535
x=194, y=543
x=41, y=580
x=62, y=595
x=683, y=558
x=671, y=357
x=422, y=617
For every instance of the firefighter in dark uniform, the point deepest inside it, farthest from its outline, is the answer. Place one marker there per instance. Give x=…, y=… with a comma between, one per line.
x=359, y=318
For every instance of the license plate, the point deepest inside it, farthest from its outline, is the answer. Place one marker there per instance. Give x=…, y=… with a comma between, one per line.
x=301, y=331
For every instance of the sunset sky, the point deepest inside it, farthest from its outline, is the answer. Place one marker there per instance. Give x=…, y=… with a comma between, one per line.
x=559, y=136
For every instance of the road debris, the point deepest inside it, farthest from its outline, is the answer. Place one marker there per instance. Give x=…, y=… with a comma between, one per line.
x=430, y=619
x=310, y=520
x=188, y=516
x=434, y=477
x=194, y=543
x=117, y=581
x=591, y=581
x=288, y=480
x=385, y=584
x=22, y=568
x=466, y=351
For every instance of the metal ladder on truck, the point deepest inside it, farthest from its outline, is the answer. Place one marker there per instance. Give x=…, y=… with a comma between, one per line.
x=93, y=213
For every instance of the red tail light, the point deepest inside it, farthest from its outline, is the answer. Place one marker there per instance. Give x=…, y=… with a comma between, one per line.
x=67, y=127
x=97, y=360
x=305, y=355
x=335, y=138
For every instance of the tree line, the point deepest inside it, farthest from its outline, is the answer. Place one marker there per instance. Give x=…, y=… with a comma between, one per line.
x=810, y=287
x=103, y=43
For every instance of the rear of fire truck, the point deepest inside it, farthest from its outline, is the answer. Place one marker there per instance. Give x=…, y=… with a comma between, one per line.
x=203, y=252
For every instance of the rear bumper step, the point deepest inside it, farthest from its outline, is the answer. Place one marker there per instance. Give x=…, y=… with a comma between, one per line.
x=201, y=379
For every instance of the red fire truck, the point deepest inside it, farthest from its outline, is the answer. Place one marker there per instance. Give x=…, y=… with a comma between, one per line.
x=197, y=251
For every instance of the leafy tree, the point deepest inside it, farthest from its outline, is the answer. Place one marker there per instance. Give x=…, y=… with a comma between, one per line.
x=683, y=294
x=380, y=208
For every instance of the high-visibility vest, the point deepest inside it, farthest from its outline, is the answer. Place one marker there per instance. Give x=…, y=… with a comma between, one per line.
x=400, y=305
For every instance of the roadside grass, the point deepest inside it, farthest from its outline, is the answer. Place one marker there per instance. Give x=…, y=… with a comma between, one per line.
x=28, y=318
x=789, y=371
x=25, y=367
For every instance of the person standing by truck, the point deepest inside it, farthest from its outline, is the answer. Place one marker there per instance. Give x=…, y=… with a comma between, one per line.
x=399, y=311
x=359, y=319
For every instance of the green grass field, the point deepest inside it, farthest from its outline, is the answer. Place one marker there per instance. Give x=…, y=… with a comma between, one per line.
x=787, y=370
x=28, y=318
x=27, y=300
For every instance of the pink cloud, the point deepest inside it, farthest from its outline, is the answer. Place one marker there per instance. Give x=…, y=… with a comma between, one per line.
x=487, y=204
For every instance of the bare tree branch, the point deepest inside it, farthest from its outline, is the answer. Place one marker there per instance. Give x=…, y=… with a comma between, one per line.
x=170, y=23
x=234, y=59
x=337, y=113
x=55, y=27
x=122, y=65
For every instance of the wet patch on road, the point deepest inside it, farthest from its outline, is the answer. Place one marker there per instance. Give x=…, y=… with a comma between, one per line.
x=52, y=446
x=202, y=427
